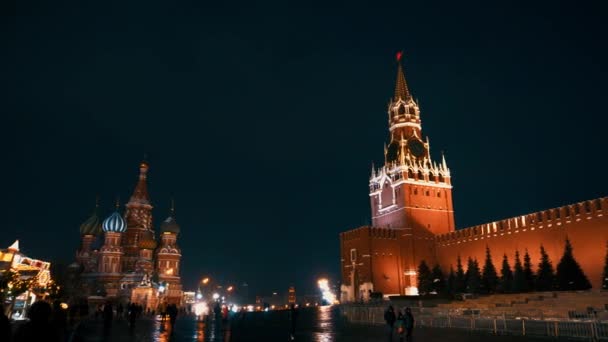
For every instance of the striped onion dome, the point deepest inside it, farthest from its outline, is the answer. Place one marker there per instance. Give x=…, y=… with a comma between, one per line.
x=147, y=241
x=114, y=223
x=92, y=225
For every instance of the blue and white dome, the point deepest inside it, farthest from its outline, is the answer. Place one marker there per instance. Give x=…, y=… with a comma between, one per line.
x=114, y=223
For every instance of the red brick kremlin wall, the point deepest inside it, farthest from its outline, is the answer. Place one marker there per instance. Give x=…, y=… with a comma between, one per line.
x=584, y=223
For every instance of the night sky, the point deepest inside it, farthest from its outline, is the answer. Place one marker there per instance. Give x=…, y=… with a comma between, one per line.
x=263, y=122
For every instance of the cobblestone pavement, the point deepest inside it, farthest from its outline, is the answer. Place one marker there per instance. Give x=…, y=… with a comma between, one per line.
x=314, y=325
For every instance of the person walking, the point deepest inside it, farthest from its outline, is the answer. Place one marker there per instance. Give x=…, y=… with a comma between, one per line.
x=108, y=315
x=119, y=311
x=409, y=324
x=172, y=312
x=390, y=318
x=400, y=325
x=5, y=327
x=132, y=313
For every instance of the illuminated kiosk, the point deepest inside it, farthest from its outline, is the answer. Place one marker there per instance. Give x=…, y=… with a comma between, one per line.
x=27, y=269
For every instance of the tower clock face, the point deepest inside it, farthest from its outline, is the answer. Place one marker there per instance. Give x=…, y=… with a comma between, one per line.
x=416, y=148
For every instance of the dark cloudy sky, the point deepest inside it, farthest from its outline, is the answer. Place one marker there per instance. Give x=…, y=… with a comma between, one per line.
x=263, y=121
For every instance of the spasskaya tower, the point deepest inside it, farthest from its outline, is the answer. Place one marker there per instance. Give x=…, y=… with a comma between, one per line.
x=410, y=189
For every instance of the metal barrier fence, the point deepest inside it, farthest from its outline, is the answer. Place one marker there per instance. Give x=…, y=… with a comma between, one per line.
x=585, y=329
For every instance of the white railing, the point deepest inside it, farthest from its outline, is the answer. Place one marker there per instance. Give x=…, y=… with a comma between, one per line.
x=586, y=329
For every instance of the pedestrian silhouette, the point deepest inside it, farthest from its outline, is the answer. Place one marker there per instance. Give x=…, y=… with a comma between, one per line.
x=39, y=327
x=5, y=327
x=409, y=324
x=390, y=318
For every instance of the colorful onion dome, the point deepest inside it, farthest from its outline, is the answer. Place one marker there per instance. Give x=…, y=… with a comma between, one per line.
x=92, y=225
x=169, y=226
x=114, y=223
x=147, y=241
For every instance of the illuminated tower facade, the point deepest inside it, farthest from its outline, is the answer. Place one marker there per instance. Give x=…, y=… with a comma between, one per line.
x=90, y=229
x=111, y=253
x=411, y=202
x=168, y=257
x=139, y=219
x=411, y=189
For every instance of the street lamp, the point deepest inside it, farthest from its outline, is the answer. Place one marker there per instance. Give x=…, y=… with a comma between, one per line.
x=216, y=296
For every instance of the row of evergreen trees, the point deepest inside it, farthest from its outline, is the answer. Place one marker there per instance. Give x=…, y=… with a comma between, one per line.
x=569, y=275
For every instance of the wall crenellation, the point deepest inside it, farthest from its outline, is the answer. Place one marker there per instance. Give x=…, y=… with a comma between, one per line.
x=538, y=220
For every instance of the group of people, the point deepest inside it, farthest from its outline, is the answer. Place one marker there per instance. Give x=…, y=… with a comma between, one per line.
x=401, y=322
x=46, y=323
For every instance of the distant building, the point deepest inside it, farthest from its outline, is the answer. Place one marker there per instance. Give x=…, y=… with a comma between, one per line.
x=291, y=299
x=35, y=272
x=413, y=218
x=121, y=257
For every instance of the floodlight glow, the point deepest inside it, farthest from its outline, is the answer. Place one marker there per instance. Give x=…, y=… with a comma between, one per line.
x=327, y=295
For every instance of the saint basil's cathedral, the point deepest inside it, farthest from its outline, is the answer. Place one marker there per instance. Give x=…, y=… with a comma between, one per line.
x=413, y=219
x=121, y=258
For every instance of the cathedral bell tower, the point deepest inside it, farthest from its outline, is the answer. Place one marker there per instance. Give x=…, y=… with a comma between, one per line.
x=410, y=190
x=139, y=219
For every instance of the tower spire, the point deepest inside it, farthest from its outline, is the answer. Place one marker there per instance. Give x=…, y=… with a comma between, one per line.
x=401, y=90
x=140, y=194
x=172, y=208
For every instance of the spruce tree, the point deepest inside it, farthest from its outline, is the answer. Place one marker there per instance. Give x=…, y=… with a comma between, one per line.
x=425, y=281
x=570, y=275
x=473, y=276
x=506, y=276
x=459, y=281
x=528, y=273
x=489, y=278
x=451, y=283
x=519, y=279
x=545, y=278
x=438, y=280
x=605, y=274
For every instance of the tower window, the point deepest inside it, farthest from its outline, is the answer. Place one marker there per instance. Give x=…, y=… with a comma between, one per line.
x=577, y=210
x=438, y=193
x=567, y=211
x=353, y=255
x=427, y=193
x=415, y=191
x=598, y=204
x=401, y=110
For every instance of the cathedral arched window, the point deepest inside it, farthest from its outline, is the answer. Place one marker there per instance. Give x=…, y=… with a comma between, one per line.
x=420, y=175
x=431, y=177
x=410, y=174
x=441, y=178
x=387, y=195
